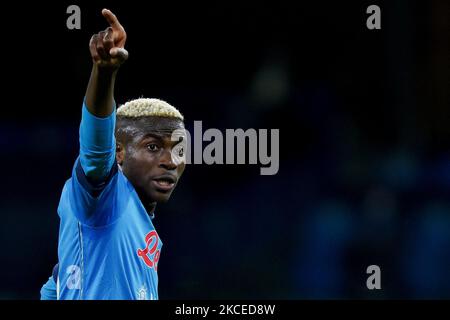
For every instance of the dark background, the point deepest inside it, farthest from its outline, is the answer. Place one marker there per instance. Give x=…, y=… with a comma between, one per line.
x=364, y=119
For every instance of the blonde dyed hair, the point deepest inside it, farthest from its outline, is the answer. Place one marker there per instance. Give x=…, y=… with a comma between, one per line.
x=146, y=107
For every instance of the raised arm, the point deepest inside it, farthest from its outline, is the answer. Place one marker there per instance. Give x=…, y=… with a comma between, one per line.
x=97, y=142
x=108, y=53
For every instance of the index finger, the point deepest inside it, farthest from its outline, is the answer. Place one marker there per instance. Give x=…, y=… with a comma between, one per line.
x=112, y=19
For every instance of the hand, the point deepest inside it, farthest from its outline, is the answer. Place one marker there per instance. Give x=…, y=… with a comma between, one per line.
x=107, y=47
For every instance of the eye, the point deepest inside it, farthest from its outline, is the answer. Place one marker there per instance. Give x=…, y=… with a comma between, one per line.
x=181, y=152
x=152, y=147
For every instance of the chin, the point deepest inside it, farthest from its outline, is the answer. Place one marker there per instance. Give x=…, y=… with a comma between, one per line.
x=160, y=197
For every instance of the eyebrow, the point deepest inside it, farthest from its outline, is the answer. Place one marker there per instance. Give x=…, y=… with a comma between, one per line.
x=156, y=135
x=160, y=136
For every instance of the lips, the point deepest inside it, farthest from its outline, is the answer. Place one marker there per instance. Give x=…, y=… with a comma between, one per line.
x=165, y=182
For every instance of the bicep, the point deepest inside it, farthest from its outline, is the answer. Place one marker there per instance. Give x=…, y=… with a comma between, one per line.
x=97, y=145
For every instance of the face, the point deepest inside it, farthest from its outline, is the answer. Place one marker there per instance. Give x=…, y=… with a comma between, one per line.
x=147, y=160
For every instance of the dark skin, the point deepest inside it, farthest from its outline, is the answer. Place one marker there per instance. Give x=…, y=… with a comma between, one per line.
x=108, y=54
x=146, y=156
x=144, y=146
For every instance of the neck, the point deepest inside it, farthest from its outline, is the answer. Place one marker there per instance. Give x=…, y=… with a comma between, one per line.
x=148, y=204
x=150, y=207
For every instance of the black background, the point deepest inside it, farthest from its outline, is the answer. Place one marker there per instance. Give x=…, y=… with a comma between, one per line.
x=364, y=137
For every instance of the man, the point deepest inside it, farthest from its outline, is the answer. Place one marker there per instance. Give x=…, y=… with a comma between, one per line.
x=108, y=247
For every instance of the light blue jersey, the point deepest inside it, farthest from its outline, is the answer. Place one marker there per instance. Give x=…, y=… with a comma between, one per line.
x=48, y=290
x=108, y=247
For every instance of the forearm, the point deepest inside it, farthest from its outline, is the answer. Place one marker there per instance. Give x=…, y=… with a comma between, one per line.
x=100, y=91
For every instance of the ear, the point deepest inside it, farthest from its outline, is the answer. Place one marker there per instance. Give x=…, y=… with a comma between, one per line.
x=120, y=153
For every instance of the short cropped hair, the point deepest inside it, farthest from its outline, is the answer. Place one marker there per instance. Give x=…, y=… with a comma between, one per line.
x=136, y=114
x=145, y=107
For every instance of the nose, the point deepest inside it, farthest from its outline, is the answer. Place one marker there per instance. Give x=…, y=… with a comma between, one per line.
x=166, y=161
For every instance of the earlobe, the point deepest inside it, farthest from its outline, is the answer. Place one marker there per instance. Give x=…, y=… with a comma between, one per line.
x=119, y=153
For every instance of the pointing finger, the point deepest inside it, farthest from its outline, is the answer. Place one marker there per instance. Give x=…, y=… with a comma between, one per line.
x=112, y=19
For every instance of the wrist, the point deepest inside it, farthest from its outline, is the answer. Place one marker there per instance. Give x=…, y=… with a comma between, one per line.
x=106, y=71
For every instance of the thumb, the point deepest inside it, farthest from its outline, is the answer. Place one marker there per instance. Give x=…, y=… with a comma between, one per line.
x=119, y=53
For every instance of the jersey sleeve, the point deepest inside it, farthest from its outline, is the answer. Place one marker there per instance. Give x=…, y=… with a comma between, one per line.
x=91, y=192
x=97, y=144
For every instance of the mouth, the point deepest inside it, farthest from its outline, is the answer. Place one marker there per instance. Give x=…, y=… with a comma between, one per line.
x=164, y=183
